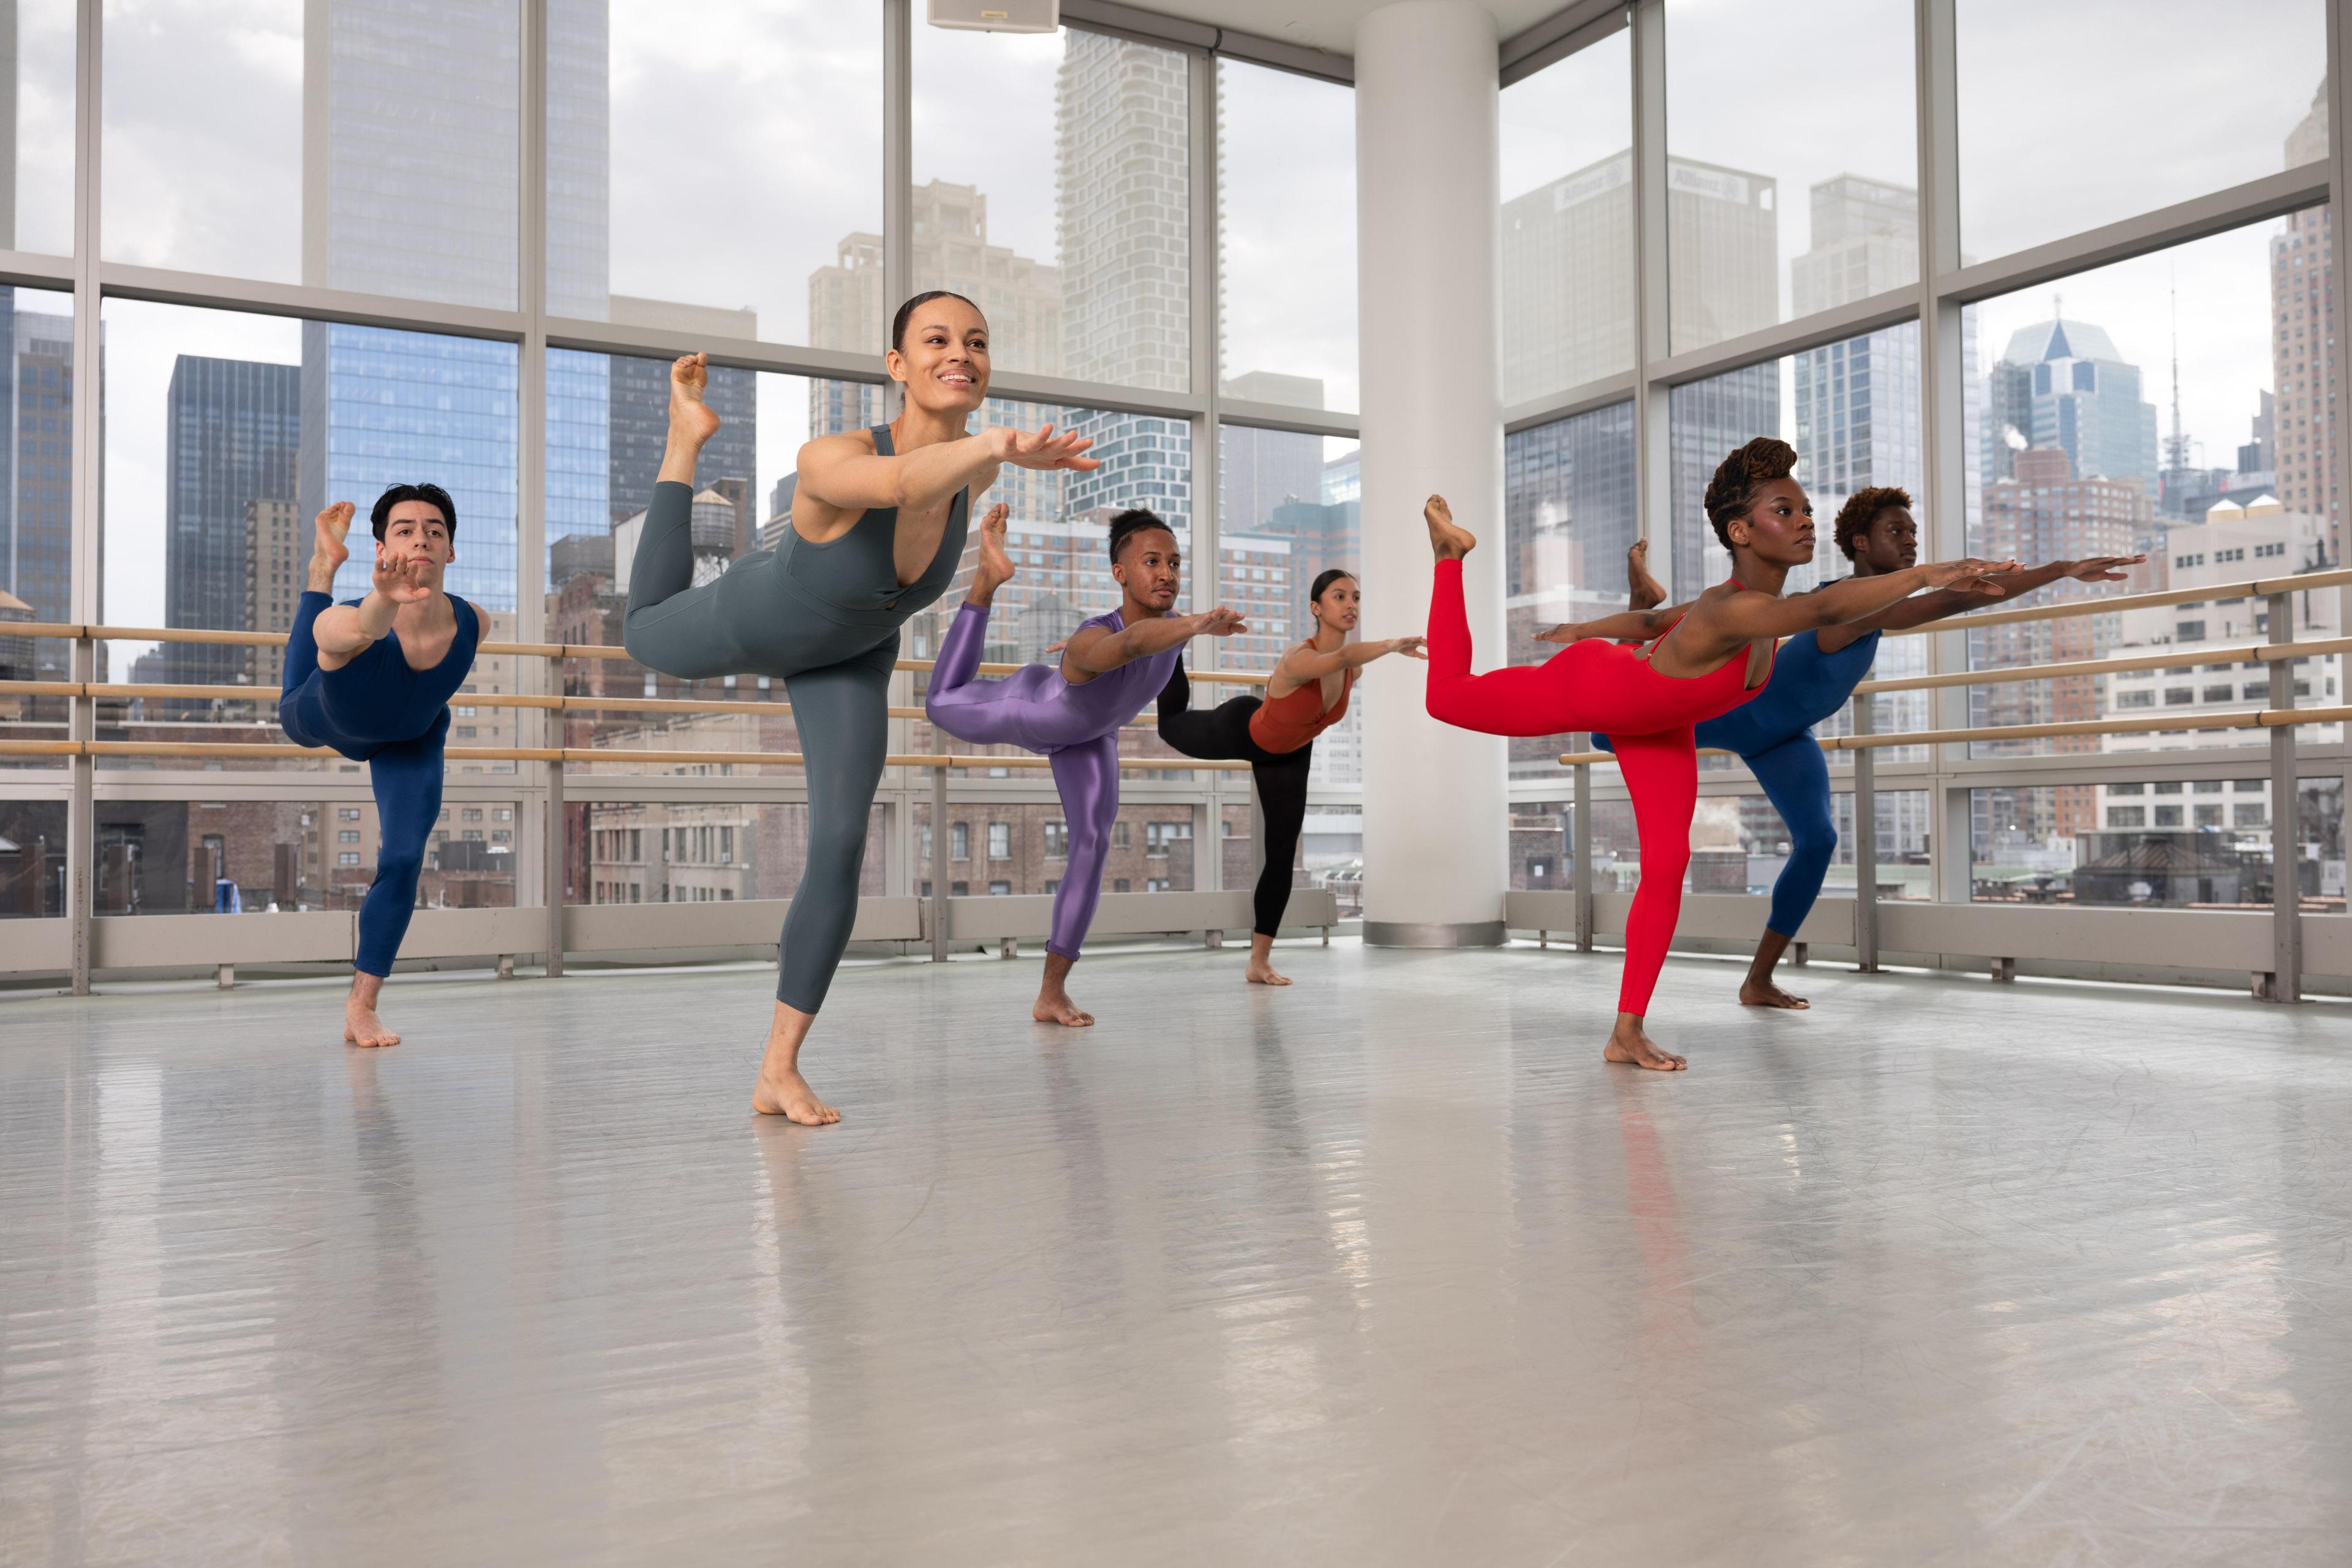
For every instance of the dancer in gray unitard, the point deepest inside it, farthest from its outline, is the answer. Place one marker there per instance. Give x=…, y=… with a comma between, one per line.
x=878, y=533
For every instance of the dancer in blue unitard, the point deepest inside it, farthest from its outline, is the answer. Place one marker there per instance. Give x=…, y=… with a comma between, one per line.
x=1111, y=667
x=373, y=679
x=876, y=532
x=1813, y=676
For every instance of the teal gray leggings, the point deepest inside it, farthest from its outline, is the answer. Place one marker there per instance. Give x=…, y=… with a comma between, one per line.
x=750, y=620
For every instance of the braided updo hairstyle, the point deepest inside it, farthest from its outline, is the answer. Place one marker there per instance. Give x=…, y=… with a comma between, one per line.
x=1862, y=510
x=1739, y=477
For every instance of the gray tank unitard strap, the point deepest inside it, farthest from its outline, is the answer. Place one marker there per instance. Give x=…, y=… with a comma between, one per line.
x=823, y=619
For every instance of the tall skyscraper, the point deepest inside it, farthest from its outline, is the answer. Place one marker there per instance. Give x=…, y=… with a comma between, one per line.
x=1567, y=268
x=1857, y=403
x=1707, y=420
x=2075, y=393
x=1258, y=470
x=277, y=554
x=36, y=471
x=410, y=158
x=232, y=435
x=2303, y=346
x=1122, y=202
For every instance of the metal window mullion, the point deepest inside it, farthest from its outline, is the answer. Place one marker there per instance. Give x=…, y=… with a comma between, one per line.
x=2285, y=983
x=85, y=589
x=537, y=677
x=1653, y=472
x=1203, y=155
x=899, y=791
x=1943, y=395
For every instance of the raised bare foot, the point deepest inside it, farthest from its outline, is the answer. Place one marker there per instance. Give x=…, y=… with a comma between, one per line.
x=1451, y=541
x=1261, y=972
x=787, y=1094
x=1647, y=593
x=328, y=550
x=688, y=415
x=995, y=567
x=1055, y=1006
x=1632, y=1048
x=363, y=1027
x=1764, y=993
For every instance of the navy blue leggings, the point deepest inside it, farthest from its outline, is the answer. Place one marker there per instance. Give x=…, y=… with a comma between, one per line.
x=406, y=776
x=1796, y=779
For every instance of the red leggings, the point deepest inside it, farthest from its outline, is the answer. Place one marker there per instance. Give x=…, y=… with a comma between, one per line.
x=1595, y=685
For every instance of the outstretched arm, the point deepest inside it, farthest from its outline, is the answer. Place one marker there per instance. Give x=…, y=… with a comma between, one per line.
x=840, y=471
x=1098, y=651
x=1625, y=625
x=1306, y=663
x=1922, y=608
x=343, y=632
x=1742, y=617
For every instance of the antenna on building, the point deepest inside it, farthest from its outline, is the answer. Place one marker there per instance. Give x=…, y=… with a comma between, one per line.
x=2176, y=449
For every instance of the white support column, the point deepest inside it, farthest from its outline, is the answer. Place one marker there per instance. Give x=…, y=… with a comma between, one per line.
x=1653, y=322
x=1435, y=844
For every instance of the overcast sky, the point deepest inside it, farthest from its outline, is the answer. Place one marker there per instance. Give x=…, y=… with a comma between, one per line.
x=746, y=144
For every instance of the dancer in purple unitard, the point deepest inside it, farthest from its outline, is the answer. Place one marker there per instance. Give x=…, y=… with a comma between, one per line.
x=1112, y=668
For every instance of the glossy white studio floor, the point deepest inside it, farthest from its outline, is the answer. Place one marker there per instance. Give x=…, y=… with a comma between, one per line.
x=1385, y=1268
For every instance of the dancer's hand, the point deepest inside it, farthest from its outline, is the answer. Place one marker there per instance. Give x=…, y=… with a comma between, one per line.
x=1220, y=622
x=1565, y=631
x=1970, y=576
x=2103, y=568
x=404, y=580
x=1412, y=647
x=1040, y=448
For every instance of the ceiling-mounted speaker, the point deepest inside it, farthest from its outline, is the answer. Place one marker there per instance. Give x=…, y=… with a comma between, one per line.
x=998, y=16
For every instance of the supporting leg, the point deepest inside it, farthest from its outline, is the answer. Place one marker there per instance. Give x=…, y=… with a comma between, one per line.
x=842, y=711
x=1282, y=794
x=1662, y=773
x=406, y=779
x=1796, y=779
x=1087, y=778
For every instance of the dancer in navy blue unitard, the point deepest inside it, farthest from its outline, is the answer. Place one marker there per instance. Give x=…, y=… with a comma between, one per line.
x=1111, y=667
x=1813, y=676
x=373, y=679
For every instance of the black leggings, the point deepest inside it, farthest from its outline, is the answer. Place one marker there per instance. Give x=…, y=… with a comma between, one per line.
x=1221, y=734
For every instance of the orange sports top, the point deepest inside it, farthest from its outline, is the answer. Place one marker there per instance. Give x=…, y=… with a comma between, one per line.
x=1283, y=724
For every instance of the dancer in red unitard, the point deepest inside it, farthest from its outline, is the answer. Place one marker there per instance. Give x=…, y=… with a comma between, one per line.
x=1646, y=699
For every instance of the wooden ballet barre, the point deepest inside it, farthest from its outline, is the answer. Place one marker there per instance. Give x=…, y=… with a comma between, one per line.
x=265, y=751
x=2250, y=719
x=2256, y=588
x=2198, y=653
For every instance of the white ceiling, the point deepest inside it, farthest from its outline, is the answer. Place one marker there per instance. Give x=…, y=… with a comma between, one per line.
x=1326, y=24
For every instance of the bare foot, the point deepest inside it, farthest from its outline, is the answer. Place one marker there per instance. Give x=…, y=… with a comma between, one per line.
x=1632, y=1048
x=1055, y=1006
x=1764, y=993
x=1648, y=592
x=328, y=550
x=996, y=568
x=784, y=1092
x=1261, y=972
x=1450, y=540
x=363, y=1027
x=688, y=415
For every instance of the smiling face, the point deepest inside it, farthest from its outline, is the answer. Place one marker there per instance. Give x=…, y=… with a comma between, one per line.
x=943, y=358
x=1150, y=568
x=1778, y=527
x=1340, y=606
x=416, y=530
x=1891, y=544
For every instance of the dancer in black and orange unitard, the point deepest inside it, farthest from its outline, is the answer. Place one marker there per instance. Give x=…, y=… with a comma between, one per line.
x=1276, y=735
x=1646, y=699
